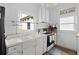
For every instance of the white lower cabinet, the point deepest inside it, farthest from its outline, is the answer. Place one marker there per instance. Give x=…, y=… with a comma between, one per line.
x=78, y=46
x=29, y=47
x=39, y=46
x=44, y=44
x=29, y=51
x=16, y=53
x=35, y=46
x=14, y=50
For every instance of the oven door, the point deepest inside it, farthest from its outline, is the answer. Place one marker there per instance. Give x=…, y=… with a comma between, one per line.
x=50, y=40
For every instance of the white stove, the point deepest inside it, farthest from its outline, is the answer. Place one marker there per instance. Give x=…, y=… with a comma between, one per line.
x=51, y=40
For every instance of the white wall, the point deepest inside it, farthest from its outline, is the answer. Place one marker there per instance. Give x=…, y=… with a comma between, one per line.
x=65, y=38
x=11, y=14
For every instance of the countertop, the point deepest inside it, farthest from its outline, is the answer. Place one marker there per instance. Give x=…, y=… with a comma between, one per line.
x=14, y=40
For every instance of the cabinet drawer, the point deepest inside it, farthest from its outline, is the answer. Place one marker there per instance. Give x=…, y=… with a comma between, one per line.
x=15, y=53
x=14, y=49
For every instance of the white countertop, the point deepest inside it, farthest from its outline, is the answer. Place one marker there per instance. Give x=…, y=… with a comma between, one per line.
x=14, y=40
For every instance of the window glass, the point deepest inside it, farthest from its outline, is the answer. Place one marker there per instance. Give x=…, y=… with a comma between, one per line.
x=26, y=24
x=67, y=23
x=67, y=20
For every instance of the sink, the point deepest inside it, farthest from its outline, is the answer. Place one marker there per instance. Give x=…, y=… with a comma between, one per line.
x=12, y=41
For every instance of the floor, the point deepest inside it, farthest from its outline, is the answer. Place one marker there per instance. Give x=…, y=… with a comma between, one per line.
x=60, y=51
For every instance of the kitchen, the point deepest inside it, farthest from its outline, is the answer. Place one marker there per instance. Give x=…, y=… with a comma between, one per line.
x=36, y=28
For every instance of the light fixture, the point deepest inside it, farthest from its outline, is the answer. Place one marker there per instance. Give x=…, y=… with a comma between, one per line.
x=26, y=18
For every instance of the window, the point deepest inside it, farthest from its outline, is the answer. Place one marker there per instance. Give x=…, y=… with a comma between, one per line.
x=67, y=23
x=24, y=23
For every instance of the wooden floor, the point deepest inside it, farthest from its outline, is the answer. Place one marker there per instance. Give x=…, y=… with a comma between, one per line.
x=60, y=51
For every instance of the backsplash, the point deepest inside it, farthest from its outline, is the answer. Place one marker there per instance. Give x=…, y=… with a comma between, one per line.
x=20, y=35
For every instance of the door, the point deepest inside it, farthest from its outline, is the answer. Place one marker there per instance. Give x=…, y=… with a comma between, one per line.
x=67, y=32
x=45, y=44
x=29, y=47
x=78, y=44
x=39, y=46
x=29, y=50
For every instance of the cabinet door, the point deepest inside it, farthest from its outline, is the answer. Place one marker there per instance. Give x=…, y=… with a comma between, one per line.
x=14, y=50
x=43, y=14
x=78, y=46
x=45, y=44
x=16, y=53
x=29, y=51
x=39, y=46
x=29, y=47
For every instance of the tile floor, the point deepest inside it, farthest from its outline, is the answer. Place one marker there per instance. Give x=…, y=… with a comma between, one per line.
x=60, y=51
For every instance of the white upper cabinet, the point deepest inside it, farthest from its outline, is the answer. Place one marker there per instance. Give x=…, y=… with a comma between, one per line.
x=43, y=14
x=43, y=17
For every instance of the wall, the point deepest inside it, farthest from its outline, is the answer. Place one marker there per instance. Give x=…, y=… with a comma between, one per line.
x=11, y=14
x=65, y=38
